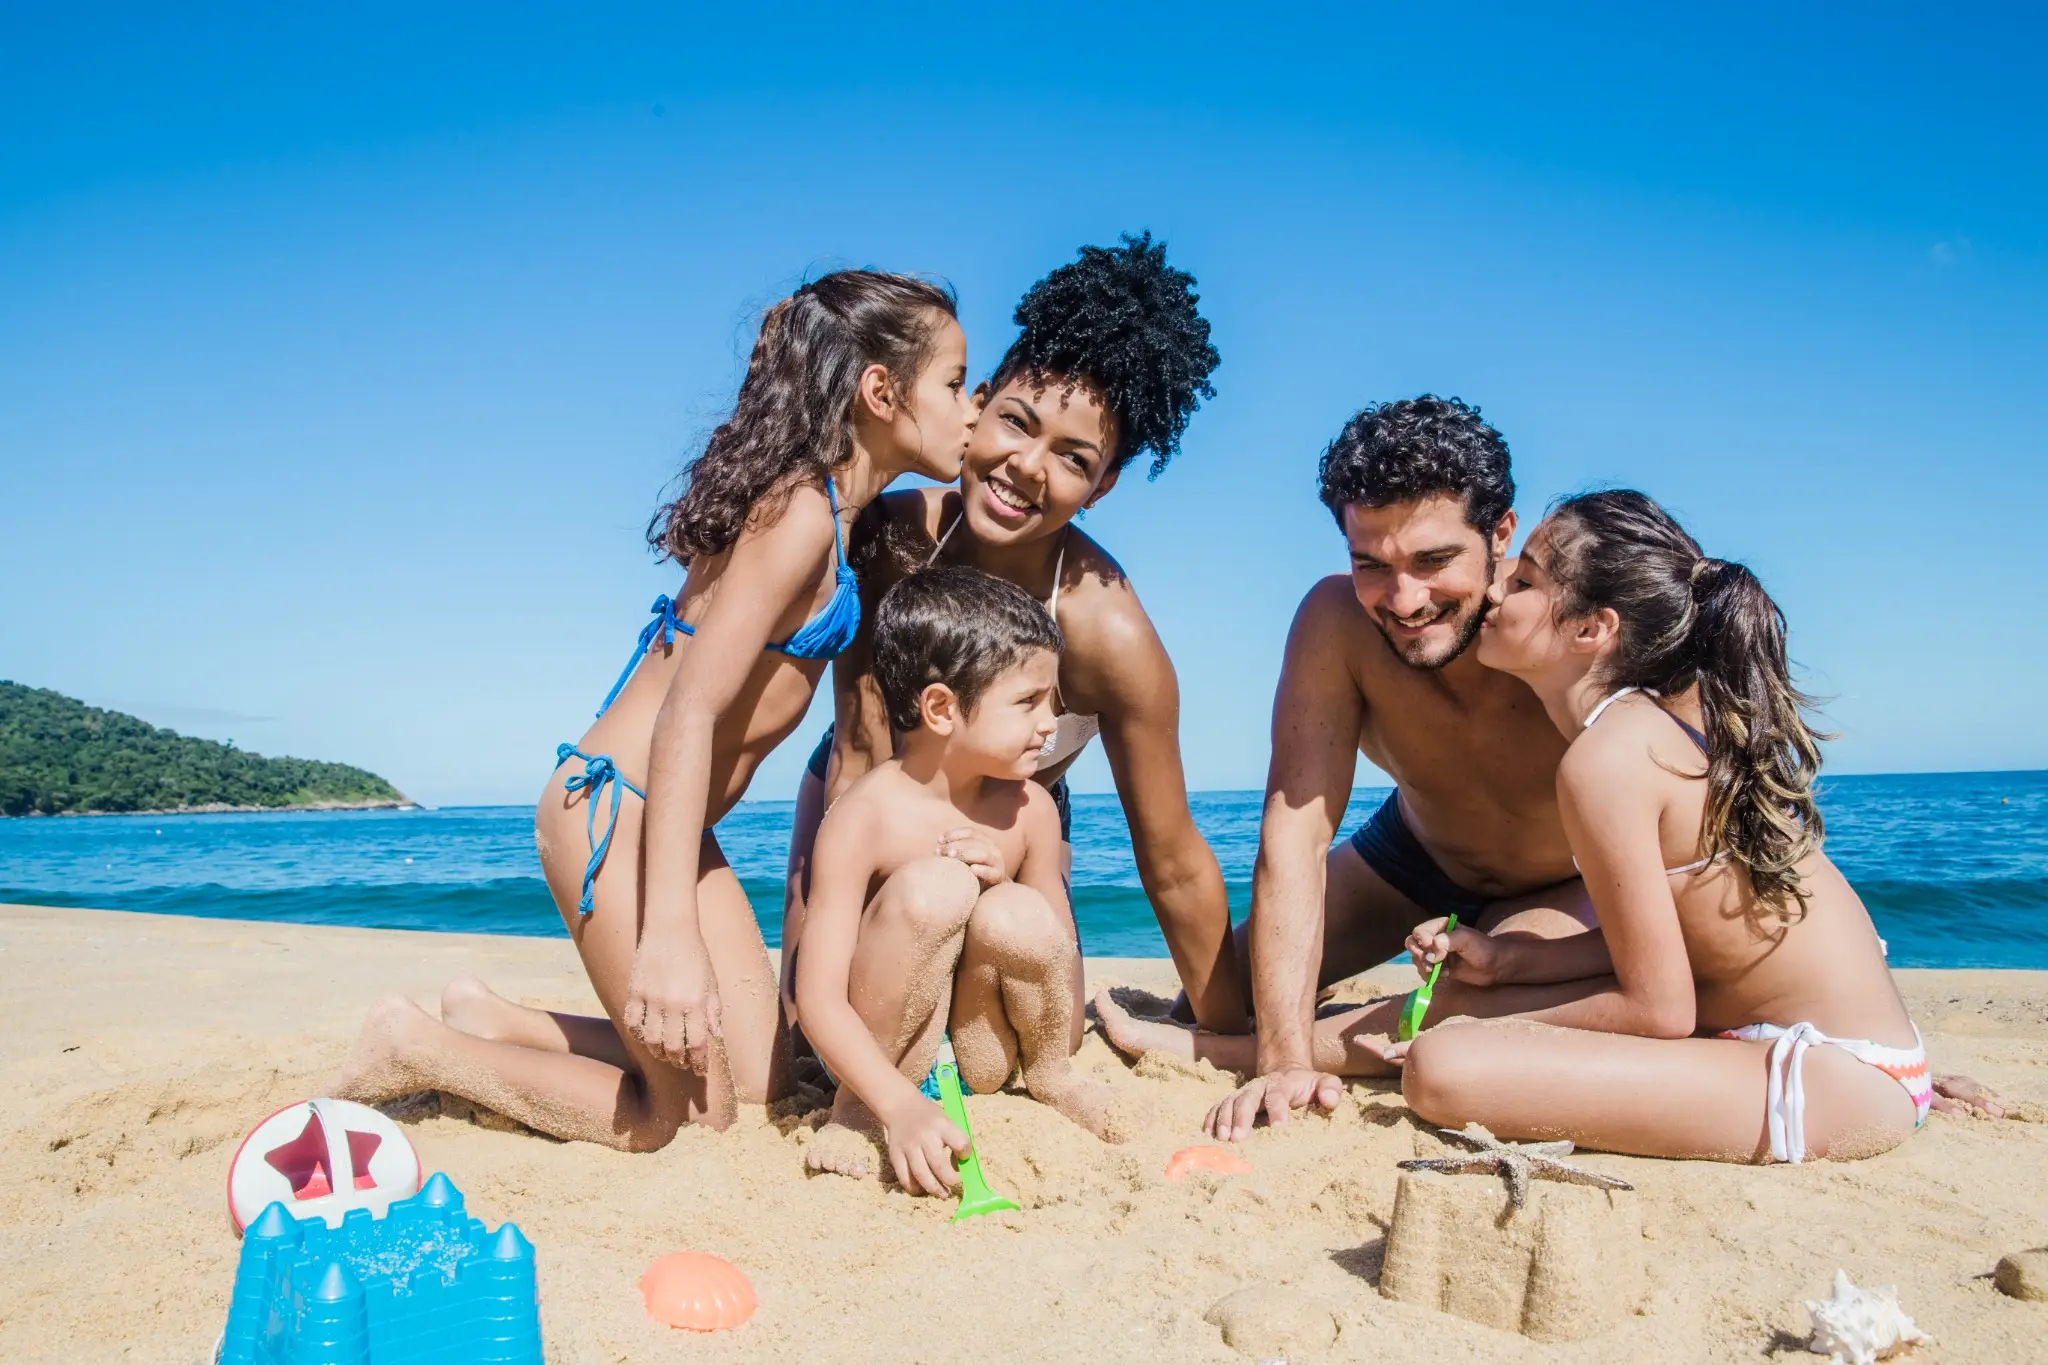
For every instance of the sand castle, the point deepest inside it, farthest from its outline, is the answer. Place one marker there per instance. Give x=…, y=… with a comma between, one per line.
x=423, y=1284
x=1559, y=1263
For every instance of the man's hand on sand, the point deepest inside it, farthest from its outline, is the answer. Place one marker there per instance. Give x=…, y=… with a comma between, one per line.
x=1277, y=1095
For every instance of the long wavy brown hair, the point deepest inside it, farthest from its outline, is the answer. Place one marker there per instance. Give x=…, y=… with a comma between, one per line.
x=1690, y=619
x=793, y=421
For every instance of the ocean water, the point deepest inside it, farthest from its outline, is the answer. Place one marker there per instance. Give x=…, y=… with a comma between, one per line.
x=1954, y=867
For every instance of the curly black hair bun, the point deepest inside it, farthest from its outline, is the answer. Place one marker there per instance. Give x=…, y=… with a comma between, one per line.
x=1122, y=321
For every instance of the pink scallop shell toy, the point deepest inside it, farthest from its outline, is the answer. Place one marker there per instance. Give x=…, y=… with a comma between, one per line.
x=697, y=1291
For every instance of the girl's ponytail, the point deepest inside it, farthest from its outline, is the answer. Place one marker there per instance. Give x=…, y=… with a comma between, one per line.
x=1690, y=620
x=793, y=421
x=1763, y=757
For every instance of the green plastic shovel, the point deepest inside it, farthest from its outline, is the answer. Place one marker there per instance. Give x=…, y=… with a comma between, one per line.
x=1417, y=1004
x=976, y=1198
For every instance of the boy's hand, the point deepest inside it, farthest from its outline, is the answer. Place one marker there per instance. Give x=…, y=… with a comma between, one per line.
x=1468, y=956
x=970, y=846
x=672, y=1004
x=923, y=1144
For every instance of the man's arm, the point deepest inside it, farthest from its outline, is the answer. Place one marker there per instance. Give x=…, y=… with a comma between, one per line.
x=1318, y=713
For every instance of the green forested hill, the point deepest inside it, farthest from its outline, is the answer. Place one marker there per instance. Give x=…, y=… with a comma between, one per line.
x=59, y=755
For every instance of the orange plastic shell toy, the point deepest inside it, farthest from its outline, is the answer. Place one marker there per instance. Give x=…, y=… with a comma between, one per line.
x=699, y=1292
x=1221, y=1160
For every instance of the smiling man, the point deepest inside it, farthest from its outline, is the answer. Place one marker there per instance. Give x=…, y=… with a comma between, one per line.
x=1380, y=663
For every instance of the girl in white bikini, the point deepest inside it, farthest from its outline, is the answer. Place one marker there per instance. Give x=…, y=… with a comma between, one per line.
x=1112, y=361
x=1734, y=1002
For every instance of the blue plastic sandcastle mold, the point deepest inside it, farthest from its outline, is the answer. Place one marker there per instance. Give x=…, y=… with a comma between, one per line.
x=425, y=1284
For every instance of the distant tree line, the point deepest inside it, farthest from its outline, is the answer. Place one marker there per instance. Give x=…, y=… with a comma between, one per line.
x=59, y=755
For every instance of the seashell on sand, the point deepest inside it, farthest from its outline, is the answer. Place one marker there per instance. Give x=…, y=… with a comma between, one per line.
x=1861, y=1326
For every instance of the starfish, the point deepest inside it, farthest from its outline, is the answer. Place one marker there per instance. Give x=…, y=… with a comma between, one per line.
x=1517, y=1162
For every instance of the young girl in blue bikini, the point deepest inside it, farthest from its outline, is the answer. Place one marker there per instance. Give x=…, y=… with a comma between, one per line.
x=857, y=378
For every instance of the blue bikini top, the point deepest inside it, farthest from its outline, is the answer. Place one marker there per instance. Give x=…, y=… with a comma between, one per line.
x=824, y=636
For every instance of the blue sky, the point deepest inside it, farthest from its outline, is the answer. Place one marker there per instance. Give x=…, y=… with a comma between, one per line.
x=343, y=357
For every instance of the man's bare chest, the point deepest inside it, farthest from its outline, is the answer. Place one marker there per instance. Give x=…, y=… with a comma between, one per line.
x=1493, y=736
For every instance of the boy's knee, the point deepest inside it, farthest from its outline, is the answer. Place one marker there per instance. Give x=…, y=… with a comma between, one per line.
x=1442, y=1075
x=934, y=895
x=1015, y=918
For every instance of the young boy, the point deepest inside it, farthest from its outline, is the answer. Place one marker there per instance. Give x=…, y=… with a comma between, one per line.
x=937, y=897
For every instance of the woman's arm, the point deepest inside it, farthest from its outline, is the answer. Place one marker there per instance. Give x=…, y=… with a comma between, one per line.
x=672, y=998
x=1139, y=697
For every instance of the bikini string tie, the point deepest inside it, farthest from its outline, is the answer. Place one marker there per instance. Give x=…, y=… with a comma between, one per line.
x=1785, y=1092
x=664, y=625
x=599, y=772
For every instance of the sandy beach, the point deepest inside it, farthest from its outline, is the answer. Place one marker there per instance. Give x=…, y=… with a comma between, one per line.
x=140, y=1048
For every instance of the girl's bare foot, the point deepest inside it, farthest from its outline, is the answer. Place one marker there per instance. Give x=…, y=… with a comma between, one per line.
x=1134, y=1037
x=849, y=1143
x=377, y=1069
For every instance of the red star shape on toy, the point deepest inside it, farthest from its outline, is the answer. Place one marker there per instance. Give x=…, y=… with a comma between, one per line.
x=303, y=1160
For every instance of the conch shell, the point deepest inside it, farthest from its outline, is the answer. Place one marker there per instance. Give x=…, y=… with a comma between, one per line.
x=1861, y=1326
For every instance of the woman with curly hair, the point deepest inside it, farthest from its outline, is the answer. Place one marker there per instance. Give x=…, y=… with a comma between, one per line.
x=1112, y=361
x=856, y=378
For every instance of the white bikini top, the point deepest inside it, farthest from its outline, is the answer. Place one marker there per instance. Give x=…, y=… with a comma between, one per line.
x=1071, y=731
x=1695, y=736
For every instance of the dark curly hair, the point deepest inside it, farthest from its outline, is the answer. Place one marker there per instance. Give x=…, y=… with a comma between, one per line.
x=1123, y=322
x=793, y=421
x=1413, y=447
x=1687, y=619
x=954, y=625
